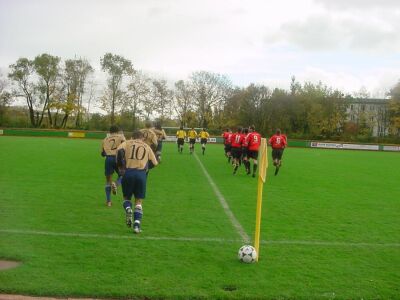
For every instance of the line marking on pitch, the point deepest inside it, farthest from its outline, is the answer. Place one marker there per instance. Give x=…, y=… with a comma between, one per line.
x=194, y=239
x=223, y=203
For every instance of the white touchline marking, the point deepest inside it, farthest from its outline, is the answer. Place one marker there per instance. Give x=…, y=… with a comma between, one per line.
x=194, y=239
x=224, y=204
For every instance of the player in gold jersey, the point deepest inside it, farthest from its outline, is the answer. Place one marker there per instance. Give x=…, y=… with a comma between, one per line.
x=161, y=136
x=192, y=134
x=203, y=139
x=109, y=150
x=180, y=134
x=150, y=138
x=133, y=156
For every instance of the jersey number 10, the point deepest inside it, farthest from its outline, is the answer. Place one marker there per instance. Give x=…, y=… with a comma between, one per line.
x=138, y=153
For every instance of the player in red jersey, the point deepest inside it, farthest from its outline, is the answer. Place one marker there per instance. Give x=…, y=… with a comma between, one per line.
x=237, y=141
x=278, y=143
x=253, y=144
x=227, y=135
x=245, y=143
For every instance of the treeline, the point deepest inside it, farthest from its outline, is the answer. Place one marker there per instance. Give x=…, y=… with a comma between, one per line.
x=53, y=93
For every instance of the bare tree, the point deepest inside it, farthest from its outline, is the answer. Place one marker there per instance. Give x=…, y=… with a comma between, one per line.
x=139, y=92
x=210, y=92
x=162, y=97
x=5, y=97
x=75, y=75
x=117, y=67
x=22, y=75
x=92, y=91
x=183, y=101
x=47, y=69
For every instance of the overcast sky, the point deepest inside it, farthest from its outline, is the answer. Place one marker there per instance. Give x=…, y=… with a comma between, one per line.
x=346, y=44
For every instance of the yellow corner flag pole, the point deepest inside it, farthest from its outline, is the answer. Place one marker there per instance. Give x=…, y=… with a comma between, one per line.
x=262, y=174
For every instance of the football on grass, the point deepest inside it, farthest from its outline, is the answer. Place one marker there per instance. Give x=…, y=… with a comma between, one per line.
x=247, y=254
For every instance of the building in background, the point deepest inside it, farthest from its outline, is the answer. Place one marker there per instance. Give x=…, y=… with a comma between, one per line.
x=370, y=115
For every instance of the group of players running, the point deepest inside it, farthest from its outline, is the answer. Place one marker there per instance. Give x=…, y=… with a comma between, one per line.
x=192, y=135
x=243, y=145
x=132, y=159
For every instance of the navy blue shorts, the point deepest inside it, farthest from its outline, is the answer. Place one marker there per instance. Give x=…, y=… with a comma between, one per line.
x=252, y=154
x=277, y=154
x=192, y=141
x=228, y=148
x=236, y=152
x=134, y=183
x=110, y=165
x=159, y=146
x=203, y=141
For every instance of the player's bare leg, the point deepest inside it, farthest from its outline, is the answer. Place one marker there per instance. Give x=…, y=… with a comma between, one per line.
x=235, y=165
x=158, y=156
x=203, y=147
x=246, y=163
x=254, y=167
x=278, y=165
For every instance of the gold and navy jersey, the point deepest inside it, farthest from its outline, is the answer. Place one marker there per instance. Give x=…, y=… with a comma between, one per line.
x=192, y=134
x=150, y=137
x=161, y=135
x=111, y=143
x=204, y=134
x=181, y=134
x=137, y=154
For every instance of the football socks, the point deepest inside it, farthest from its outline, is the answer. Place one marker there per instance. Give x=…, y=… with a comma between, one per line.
x=108, y=192
x=138, y=213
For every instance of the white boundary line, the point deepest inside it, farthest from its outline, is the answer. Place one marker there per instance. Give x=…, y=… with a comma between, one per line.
x=224, y=204
x=193, y=239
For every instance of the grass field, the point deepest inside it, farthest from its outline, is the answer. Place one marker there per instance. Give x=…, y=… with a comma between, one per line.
x=330, y=228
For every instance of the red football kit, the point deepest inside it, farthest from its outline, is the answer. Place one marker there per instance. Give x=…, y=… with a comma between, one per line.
x=253, y=141
x=227, y=136
x=277, y=141
x=237, y=140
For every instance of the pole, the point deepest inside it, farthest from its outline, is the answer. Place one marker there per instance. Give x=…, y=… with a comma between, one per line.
x=262, y=173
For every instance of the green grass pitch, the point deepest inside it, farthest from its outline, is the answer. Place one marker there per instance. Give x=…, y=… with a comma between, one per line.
x=330, y=227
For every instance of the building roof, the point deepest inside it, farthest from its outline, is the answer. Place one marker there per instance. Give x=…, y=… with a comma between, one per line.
x=368, y=101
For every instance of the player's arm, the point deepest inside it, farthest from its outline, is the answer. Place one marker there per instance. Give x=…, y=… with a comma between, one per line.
x=103, y=153
x=284, y=141
x=152, y=157
x=154, y=140
x=121, y=163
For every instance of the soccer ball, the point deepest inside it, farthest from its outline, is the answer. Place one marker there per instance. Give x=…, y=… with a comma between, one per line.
x=247, y=254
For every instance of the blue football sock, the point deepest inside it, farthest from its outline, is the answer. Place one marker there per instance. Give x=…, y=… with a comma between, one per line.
x=108, y=192
x=127, y=204
x=138, y=213
x=118, y=182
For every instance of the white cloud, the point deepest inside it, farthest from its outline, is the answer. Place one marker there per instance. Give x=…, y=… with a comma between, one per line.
x=360, y=4
x=252, y=41
x=325, y=32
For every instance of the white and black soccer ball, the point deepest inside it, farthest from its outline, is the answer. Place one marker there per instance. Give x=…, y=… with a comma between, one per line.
x=247, y=254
